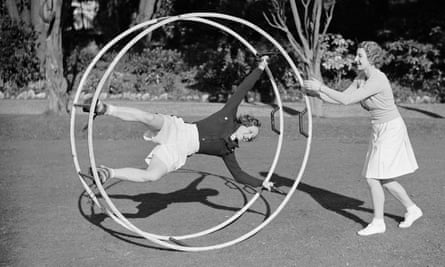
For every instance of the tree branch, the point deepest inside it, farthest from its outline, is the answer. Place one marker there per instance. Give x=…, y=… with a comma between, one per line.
x=297, y=48
x=307, y=19
x=329, y=12
x=277, y=21
x=302, y=36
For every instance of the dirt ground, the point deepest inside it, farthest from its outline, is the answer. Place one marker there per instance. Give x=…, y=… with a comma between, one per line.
x=47, y=220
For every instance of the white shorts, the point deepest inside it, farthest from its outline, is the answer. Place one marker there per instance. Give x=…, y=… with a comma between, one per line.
x=176, y=140
x=390, y=153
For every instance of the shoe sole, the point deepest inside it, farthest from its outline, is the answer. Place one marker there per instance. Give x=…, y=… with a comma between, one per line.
x=407, y=226
x=371, y=233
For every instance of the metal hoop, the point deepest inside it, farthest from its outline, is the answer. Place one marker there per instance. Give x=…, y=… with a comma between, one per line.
x=92, y=158
x=115, y=214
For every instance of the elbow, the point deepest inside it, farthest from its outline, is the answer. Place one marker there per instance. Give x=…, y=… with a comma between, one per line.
x=347, y=101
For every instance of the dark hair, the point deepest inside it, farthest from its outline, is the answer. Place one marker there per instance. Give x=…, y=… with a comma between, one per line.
x=373, y=51
x=248, y=120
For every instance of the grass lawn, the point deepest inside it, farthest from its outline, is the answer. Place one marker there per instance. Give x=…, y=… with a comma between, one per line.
x=47, y=220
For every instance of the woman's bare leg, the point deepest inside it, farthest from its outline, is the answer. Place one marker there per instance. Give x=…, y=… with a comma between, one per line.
x=378, y=201
x=156, y=168
x=413, y=212
x=152, y=120
x=377, y=196
x=397, y=190
x=155, y=171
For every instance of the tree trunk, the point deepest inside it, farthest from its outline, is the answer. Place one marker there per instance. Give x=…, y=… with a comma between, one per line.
x=316, y=103
x=146, y=11
x=25, y=16
x=311, y=19
x=39, y=28
x=56, y=82
x=13, y=11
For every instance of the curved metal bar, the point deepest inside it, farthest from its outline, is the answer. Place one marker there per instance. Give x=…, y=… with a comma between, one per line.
x=94, y=102
x=161, y=242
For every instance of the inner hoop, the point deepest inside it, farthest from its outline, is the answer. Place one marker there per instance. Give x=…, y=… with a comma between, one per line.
x=194, y=17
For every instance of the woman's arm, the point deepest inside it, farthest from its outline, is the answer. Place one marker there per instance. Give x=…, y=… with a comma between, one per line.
x=351, y=95
x=326, y=98
x=323, y=96
x=238, y=174
x=243, y=88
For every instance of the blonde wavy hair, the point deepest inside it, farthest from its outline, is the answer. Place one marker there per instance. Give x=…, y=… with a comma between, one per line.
x=374, y=52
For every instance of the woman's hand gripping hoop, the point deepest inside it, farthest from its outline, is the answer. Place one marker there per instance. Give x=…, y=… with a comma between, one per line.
x=99, y=109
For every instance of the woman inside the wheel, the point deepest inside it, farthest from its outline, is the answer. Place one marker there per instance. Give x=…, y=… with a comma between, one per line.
x=218, y=135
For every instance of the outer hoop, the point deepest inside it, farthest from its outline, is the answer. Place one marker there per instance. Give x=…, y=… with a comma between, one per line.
x=92, y=158
x=193, y=16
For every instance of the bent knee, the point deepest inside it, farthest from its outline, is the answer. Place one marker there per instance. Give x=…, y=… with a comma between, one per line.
x=148, y=176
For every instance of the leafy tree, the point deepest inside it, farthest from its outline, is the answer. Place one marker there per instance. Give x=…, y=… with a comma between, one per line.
x=311, y=19
x=415, y=66
x=27, y=13
x=44, y=17
x=20, y=64
x=337, y=59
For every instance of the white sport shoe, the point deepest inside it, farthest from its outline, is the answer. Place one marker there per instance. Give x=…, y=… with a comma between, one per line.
x=375, y=227
x=103, y=172
x=413, y=214
x=268, y=185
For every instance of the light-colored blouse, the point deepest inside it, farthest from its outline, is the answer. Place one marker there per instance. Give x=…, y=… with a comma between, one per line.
x=374, y=94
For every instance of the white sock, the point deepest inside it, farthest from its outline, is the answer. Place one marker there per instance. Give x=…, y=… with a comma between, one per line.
x=112, y=173
x=412, y=208
x=110, y=109
x=378, y=221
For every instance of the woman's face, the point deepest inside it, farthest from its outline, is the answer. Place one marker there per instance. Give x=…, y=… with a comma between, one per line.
x=247, y=134
x=361, y=59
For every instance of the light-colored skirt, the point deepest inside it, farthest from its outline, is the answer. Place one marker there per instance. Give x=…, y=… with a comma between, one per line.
x=176, y=140
x=390, y=153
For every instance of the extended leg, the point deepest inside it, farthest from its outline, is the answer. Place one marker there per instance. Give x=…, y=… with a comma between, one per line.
x=155, y=171
x=152, y=120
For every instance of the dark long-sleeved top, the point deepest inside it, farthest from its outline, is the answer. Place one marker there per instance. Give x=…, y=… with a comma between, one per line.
x=215, y=131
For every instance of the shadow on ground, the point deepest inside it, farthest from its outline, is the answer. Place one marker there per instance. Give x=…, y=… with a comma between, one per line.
x=425, y=112
x=329, y=200
x=151, y=203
